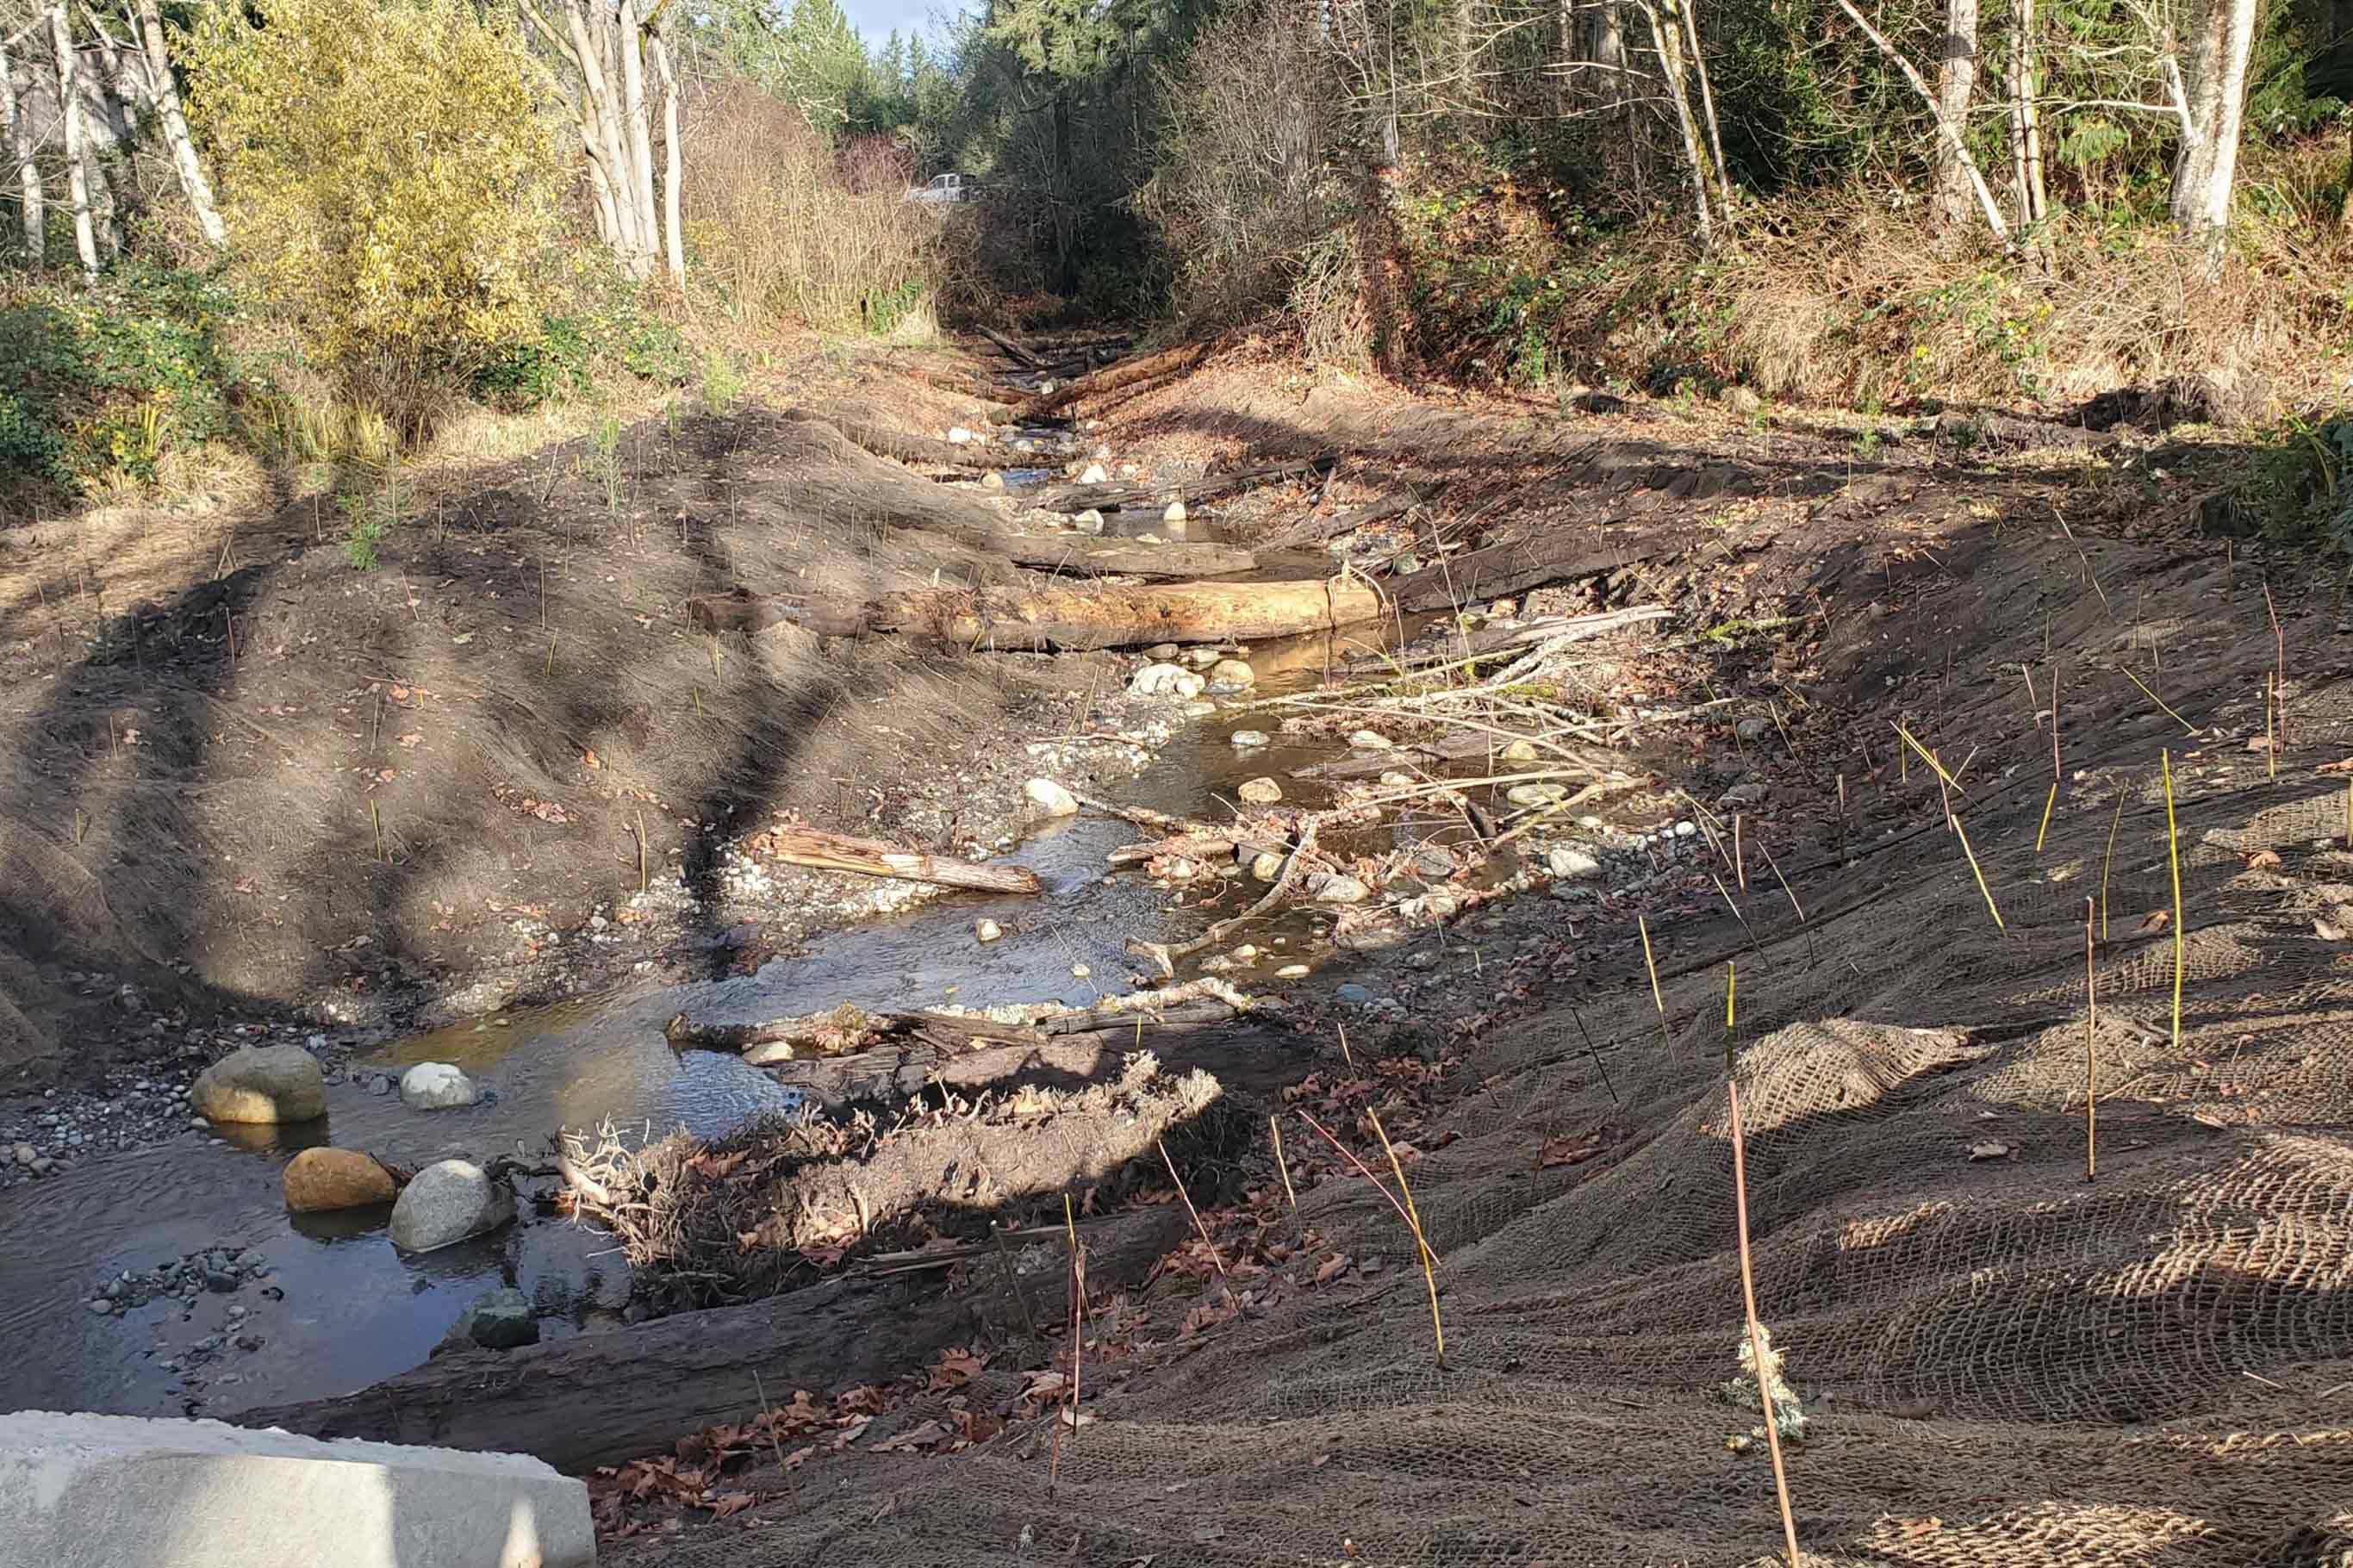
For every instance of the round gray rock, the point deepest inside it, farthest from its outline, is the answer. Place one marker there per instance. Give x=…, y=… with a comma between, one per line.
x=1248, y=740
x=1259, y=792
x=435, y=1086
x=1573, y=863
x=447, y=1202
x=261, y=1084
x=1340, y=891
x=1231, y=675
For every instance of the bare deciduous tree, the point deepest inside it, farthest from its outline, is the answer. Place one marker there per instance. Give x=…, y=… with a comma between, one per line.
x=605, y=43
x=1957, y=78
x=193, y=184
x=20, y=150
x=78, y=168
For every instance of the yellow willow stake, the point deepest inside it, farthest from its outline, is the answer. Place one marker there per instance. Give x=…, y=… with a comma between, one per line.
x=2173, y=853
x=1731, y=983
x=2048, y=801
x=1413, y=1214
x=2091, y=1055
x=2271, y=735
x=1275, y=1127
x=1929, y=757
x=1658, y=998
x=1991, y=908
x=2160, y=701
x=1755, y=1328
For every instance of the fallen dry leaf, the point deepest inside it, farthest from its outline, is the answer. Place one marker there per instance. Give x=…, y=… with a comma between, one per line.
x=2341, y=767
x=729, y=1503
x=1332, y=1268
x=956, y=1367
x=2263, y=860
x=922, y=1436
x=2153, y=922
x=412, y=739
x=1568, y=1151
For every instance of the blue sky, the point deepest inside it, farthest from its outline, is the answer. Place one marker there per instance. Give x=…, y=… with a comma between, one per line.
x=875, y=18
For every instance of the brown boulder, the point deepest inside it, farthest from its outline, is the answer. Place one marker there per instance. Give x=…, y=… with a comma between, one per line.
x=321, y=1179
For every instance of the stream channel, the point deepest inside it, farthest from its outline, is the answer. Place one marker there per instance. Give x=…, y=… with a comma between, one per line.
x=325, y=1304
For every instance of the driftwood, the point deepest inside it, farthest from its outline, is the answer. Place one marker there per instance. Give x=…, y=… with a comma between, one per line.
x=967, y=385
x=1194, y=845
x=905, y=447
x=1556, y=556
x=741, y=610
x=1555, y=630
x=1461, y=745
x=1126, y=372
x=600, y=1399
x=1208, y=487
x=1165, y=955
x=1051, y=553
x=874, y=858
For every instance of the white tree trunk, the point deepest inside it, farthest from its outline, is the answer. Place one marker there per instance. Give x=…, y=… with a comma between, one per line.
x=673, y=161
x=28, y=171
x=609, y=144
x=2213, y=105
x=78, y=184
x=1946, y=129
x=1957, y=79
x=627, y=35
x=198, y=189
x=1707, y=102
x=1667, y=40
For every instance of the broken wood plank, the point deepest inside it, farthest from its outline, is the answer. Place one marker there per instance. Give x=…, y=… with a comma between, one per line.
x=1063, y=553
x=1012, y=350
x=1156, y=497
x=1559, y=556
x=825, y=851
x=601, y=1399
x=1545, y=629
x=1129, y=371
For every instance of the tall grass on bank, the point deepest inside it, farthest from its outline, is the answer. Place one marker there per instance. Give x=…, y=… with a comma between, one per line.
x=790, y=229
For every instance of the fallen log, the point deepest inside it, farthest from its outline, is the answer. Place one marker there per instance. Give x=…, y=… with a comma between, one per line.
x=1559, y=556
x=741, y=610
x=1126, y=372
x=1164, y=954
x=1076, y=499
x=1049, y=553
x=1102, y=617
x=825, y=851
x=1192, y=845
x=968, y=386
x=905, y=447
x=601, y=1399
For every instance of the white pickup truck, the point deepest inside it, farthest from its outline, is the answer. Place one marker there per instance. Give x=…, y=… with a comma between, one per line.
x=941, y=189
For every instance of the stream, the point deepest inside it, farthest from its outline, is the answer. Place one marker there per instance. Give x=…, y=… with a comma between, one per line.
x=325, y=1304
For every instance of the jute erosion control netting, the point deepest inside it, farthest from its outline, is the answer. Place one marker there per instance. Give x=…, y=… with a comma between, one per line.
x=2002, y=1363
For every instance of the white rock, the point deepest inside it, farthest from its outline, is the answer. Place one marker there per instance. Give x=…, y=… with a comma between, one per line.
x=435, y=1086
x=1050, y=799
x=1259, y=792
x=1248, y=740
x=1158, y=680
x=1089, y=521
x=1519, y=752
x=1094, y=475
x=987, y=931
x=1573, y=863
x=1245, y=953
x=992, y=480
x=1233, y=675
x=1079, y=970
x=959, y=437
x=199, y=1494
x=1534, y=793
x=446, y=1204
x=1371, y=741
x=1338, y=889
x=1290, y=972
x=1176, y=512
x=1266, y=866
x=1686, y=829
x=1393, y=778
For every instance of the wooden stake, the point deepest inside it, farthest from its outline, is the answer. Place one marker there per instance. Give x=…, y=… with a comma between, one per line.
x=1756, y=1330
x=1658, y=998
x=376, y=821
x=1594, y=1051
x=2160, y=701
x=1739, y=852
x=2091, y=1061
x=2270, y=732
x=1976, y=870
x=1274, y=1126
x=641, y=852
x=1199, y=1229
x=2048, y=801
x=1731, y=984
x=1367, y=1171
x=1413, y=1217
x=2173, y=853
x=2108, y=863
x=2279, y=666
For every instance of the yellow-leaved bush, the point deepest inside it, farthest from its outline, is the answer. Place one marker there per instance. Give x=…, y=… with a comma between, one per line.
x=390, y=180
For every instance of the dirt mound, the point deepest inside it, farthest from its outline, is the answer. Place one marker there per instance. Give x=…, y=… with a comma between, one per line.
x=270, y=778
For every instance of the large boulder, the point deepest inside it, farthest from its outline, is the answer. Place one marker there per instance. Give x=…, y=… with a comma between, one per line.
x=261, y=1084
x=447, y=1202
x=317, y=1180
x=1047, y=798
x=435, y=1086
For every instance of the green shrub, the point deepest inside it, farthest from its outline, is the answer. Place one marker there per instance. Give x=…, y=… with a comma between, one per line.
x=103, y=383
x=608, y=328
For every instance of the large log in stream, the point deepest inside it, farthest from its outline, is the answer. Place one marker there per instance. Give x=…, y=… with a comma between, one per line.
x=1132, y=372
x=1556, y=556
x=601, y=1399
x=1105, y=618
x=1208, y=487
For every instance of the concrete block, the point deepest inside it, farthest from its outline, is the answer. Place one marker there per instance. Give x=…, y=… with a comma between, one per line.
x=122, y=1491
